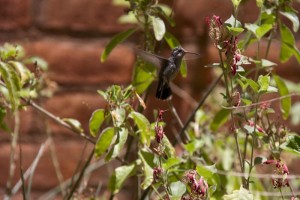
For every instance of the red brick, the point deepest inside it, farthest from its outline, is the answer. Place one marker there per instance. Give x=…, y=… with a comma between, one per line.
x=80, y=15
x=190, y=16
x=15, y=14
x=77, y=62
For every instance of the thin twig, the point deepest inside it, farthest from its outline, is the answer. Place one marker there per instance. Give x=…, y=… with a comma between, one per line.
x=261, y=102
x=81, y=174
x=59, y=121
x=22, y=175
x=201, y=102
x=175, y=114
x=52, y=193
x=184, y=95
x=28, y=171
x=12, y=164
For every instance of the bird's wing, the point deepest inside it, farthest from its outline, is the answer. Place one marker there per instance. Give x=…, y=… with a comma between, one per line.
x=152, y=58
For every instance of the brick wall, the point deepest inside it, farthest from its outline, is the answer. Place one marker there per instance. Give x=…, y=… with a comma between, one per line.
x=71, y=35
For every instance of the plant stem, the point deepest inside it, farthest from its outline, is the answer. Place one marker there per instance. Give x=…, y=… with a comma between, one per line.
x=81, y=174
x=252, y=146
x=12, y=164
x=175, y=114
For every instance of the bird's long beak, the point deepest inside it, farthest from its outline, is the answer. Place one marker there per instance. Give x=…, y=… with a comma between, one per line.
x=189, y=52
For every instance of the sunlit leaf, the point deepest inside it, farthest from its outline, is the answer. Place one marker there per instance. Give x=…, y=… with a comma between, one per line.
x=74, y=123
x=177, y=189
x=118, y=115
x=122, y=134
x=144, y=127
x=120, y=175
x=143, y=76
x=115, y=41
x=262, y=30
x=146, y=159
x=283, y=91
x=292, y=144
x=288, y=47
x=12, y=82
x=158, y=27
x=171, y=162
x=96, y=121
x=264, y=83
x=267, y=63
x=39, y=61
x=241, y=194
x=104, y=141
x=294, y=19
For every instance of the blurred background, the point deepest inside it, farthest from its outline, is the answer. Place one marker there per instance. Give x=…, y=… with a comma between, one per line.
x=71, y=35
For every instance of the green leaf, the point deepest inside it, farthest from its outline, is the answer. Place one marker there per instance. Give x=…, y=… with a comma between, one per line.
x=233, y=22
x=104, y=141
x=241, y=194
x=23, y=72
x=118, y=115
x=173, y=42
x=96, y=120
x=259, y=3
x=120, y=175
x=292, y=144
x=74, y=123
x=158, y=27
x=235, y=30
x=236, y=3
x=143, y=76
x=144, y=127
x=219, y=119
x=252, y=84
x=122, y=134
x=171, y=162
x=146, y=159
x=286, y=102
x=193, y=146
x=294, y=19
x=177, y=189
x=39, y=61
x=206, y=171
x=288, y=47
x=12, y=82
x=169, y=149
x=264, y=83
x=259, y=31
x=115, y=41
x=267, y=63
x=262, y=30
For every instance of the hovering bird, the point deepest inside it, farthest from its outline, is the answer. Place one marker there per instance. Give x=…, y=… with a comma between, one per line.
x=169, y=68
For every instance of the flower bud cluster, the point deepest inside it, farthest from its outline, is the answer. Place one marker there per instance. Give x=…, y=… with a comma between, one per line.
x=197, y=184
x=281, y=169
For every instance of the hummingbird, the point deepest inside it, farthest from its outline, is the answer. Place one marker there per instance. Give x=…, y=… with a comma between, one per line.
x=169, y=68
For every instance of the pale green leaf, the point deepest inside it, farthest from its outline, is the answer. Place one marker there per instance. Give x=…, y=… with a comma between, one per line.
x=241, y=194
x=115, y=41
x=283, y=91
x=293, y=18
x=104, y=141
x=122, y=134
x=120, y=175
x=292, y=144
x=96, y=121
x=158, y=27
x=74, y=123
